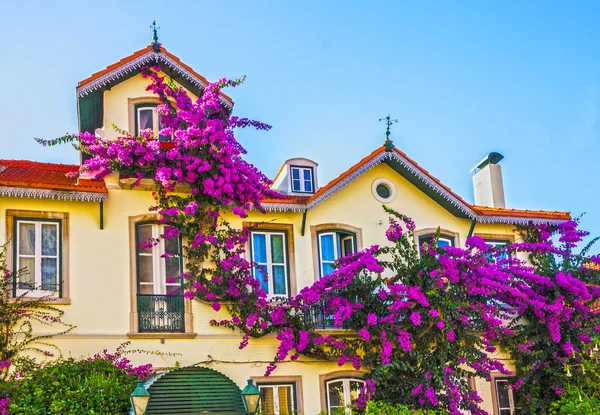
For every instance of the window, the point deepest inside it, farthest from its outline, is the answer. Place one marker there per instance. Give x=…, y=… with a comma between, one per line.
x=505, y=396
x=442, y=240
x=302, y=179
x=277, y=399
x=269, y=254
x=340, y=393
x=332, y=246
x=159, y=293
x=146, y=117
x=383, y=190
x=496, y=244
x=38, y=256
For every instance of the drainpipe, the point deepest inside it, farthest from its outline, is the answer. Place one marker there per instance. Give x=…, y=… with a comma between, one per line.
x=303, y=223
x=101, y=215
x=472, y=228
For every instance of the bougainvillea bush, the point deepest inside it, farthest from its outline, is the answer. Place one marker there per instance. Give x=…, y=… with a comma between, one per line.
x=423, y=318
x=555, y=341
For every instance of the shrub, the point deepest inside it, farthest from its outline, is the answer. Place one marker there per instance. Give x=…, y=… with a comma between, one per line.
x=381, y=408
x=100, y=385
x=73, y=387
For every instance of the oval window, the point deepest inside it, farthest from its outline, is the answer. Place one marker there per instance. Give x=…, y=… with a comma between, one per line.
x=383, y=190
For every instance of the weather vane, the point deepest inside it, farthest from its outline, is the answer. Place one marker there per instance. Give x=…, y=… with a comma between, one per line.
x=388, y=122
x=155, y=44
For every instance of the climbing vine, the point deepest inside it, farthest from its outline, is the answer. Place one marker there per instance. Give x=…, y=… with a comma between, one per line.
x=429, y=316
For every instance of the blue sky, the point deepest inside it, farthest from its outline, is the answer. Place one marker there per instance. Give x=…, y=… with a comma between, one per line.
x=464, y=78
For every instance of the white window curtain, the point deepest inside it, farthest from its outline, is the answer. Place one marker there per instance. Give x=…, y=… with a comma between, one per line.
x=38, y=257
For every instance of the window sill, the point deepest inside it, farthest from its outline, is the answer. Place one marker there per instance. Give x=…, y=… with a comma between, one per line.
x=51, y=301
x=337, y=332
x=161, y=335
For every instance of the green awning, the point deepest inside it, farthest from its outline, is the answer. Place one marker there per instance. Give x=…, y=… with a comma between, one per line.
x=194, y=390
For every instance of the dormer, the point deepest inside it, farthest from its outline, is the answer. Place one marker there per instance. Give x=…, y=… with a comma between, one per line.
x=297, y=176
x=117, y=94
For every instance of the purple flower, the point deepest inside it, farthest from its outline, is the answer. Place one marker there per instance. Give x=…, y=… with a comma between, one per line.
x=415, y=317
x=364, y=334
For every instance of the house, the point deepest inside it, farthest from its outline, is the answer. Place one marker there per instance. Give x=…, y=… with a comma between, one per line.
x=79, y=238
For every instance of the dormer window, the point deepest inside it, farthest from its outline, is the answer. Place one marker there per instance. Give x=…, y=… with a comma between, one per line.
x=146, y=117
x=297, y=175
x=302, y=179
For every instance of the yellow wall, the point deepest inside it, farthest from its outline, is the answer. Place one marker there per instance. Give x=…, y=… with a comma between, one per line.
x=100, y=275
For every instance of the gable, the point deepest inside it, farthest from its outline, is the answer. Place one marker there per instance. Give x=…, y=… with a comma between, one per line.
x=357, y=203
x=428, y=184
x=90, y=91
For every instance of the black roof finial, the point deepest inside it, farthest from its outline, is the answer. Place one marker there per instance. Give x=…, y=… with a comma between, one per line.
x=155, y=44
x=388, y=122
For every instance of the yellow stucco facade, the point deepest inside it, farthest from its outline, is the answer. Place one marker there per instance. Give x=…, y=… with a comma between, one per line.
x=101, y=280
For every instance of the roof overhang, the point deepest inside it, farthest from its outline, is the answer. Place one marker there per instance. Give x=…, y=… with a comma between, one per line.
x=33, y=193
x=130, y=66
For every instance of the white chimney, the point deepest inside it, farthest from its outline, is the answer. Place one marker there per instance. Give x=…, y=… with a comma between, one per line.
x=487, y=182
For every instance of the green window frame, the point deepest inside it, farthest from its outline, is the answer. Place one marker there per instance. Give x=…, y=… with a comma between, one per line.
x=36, y=252
x=275, y=402
x=269, y=253
x=333, y=244
x=495, y=243
x=160, y=301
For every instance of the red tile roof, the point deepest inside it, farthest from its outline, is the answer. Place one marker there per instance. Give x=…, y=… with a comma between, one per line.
x=49, y=176
x=288, y=200
x=137, y=54
x=521, y=213
x=30, y=174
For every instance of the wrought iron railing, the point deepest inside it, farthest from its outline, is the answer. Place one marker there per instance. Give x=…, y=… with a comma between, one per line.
x=316, y=318
x=161, y=313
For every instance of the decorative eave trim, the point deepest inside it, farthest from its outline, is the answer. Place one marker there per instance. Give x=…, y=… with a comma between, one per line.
x=32, y=193
x=284, y=207
x=382, y=157
x=512, y=220
x=137, y=63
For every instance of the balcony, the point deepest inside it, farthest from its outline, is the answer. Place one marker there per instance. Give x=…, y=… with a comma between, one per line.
x=161, y=313
x=317, y=319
